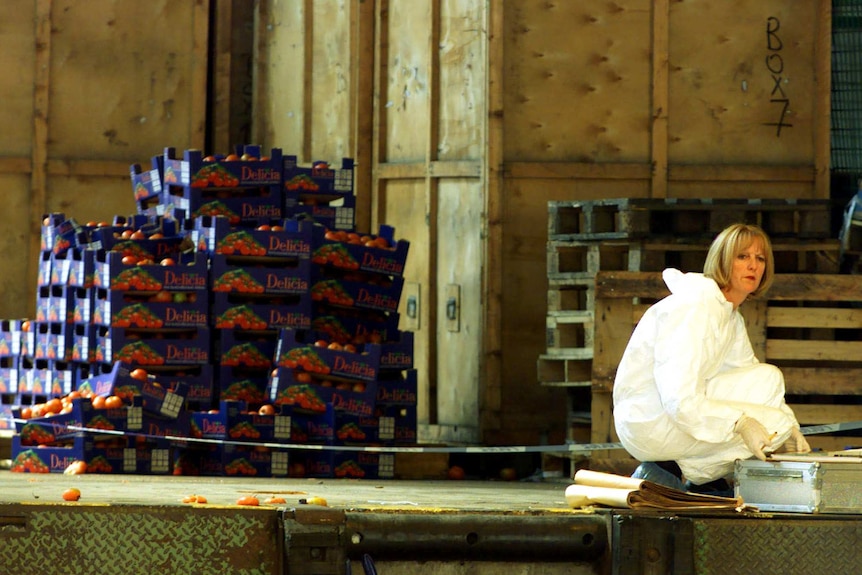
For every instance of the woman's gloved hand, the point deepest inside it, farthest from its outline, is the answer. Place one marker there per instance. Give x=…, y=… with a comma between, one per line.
x=753, y=434
x=796, y=443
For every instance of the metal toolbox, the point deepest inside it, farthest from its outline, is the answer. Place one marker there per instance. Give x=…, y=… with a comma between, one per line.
x=800, y=486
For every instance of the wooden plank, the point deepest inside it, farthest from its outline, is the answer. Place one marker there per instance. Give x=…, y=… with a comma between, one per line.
x=786, y=287
x=493, y=145
x=433, y=169
x=825, y=350
x=660, y=101
x=308, y=88
x=88, y=168
x=577, y=170
x=15, y=165
x=621, y=284
x=822, y=380
x=823, y=99
x=363, y=102
x=847, y=318
x=816, y=287
x=39, y=158
x=820, y=414
x=755, y=313
x=740, y=173
x=222, y=56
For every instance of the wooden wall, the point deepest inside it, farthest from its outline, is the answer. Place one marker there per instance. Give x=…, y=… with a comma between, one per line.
x=465, y=118
x=88, y=89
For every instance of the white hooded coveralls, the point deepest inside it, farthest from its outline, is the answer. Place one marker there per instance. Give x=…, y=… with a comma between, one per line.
x=687, y=375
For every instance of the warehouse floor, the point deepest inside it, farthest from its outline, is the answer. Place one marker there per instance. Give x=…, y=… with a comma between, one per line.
x=140, y=524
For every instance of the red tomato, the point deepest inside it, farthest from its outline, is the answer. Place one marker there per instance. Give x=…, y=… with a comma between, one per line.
x=266, y=409
x=72, y=494
x=139, y=374
x=76, y=468
x=248, y=500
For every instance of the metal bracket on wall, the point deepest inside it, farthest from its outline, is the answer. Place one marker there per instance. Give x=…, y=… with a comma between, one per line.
x=453, y=307
x=412, y=308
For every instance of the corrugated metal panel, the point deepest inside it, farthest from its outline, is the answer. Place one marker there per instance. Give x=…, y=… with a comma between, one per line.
x=93, y=540
x=847, y=86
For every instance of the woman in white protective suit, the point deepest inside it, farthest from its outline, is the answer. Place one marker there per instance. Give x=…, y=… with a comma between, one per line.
x=690, y=397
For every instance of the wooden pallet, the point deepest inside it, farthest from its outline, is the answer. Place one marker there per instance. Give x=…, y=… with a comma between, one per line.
x=631, y=218
x=573, y=259
x=809, y=326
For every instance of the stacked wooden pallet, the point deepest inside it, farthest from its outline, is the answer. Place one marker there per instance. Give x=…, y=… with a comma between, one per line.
x=588, y=238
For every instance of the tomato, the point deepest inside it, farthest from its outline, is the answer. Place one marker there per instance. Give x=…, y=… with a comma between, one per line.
x=335, y=346
x=248, y=500
x=76, y=468
x=321, y=343
x=72, y=494
x=113, y=402
x=52, y=406
x=275, y=499
x=25, y=325
x=138, y=235
x=266, y=409
x=508, y=474
x=194, y=499
x=98, y=402
x=231, y=158
x=162, y=296
x=139, y=374
x=168, y=262
x=314, y=501
x=455, y=472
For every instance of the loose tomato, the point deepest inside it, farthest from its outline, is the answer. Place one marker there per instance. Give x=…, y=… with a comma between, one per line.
x=266, y=409
x=76, y=468
x=275, y=500
x=248, y=500
x=72, y=494
x=139, y=374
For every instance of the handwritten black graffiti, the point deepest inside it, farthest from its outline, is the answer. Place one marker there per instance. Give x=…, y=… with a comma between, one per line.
x=775, y=65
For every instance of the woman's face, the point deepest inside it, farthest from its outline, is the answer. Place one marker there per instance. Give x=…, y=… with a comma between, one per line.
x=748, y=267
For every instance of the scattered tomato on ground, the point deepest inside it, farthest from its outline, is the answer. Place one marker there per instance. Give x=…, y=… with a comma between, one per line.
x=72, y=494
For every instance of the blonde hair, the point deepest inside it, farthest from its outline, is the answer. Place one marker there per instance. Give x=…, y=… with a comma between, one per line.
x=729, y=244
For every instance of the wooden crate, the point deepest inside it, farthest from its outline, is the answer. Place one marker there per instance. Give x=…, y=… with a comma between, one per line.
x=808, y=325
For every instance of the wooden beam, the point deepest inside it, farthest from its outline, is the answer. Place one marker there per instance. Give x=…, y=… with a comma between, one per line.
x=220, y=112
x=741, y=173
x=92, y=168
x=433, y=169
x=660, y=97
x=642, y=171
x=796, y=287
x=362, y=109
x=491, y=368
x=39, y=157
x=577, y=170
x=307, y=80
x=198, y=74
x=16, y=165
x=823, y=100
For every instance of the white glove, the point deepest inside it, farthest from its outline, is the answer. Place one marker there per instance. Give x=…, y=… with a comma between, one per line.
x=796, y=443
x=753, y=434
